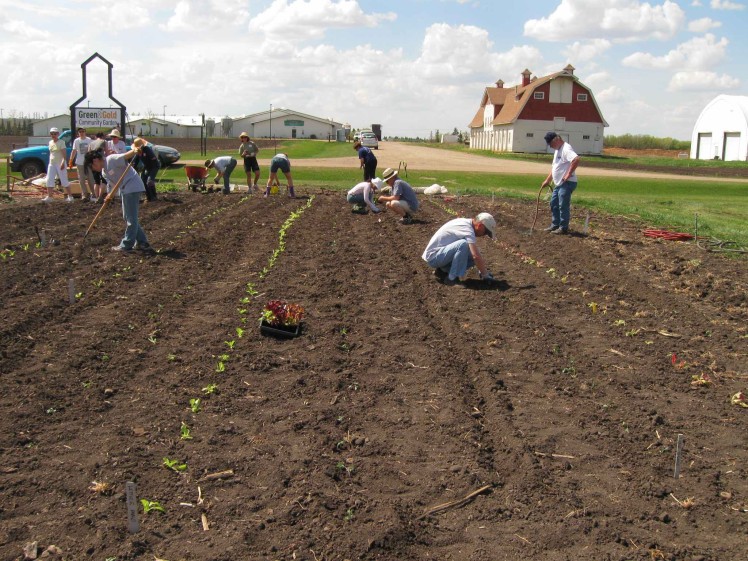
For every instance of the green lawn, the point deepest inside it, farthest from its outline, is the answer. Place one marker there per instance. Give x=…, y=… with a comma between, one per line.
x=722, y=207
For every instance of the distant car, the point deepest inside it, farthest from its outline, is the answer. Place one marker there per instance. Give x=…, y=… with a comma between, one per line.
x=34, y=160
x=369, y=139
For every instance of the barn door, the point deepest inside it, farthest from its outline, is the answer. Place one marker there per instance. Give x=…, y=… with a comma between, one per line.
x=705, y=146
x=731, y=147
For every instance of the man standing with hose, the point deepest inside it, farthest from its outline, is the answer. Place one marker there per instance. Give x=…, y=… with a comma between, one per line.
x=119, y=172
x=565, y=162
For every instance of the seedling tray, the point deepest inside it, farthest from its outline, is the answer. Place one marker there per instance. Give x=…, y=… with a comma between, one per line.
x=284, y=332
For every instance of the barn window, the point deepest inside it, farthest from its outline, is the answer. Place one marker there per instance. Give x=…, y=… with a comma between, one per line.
x=585, y=137
x=539, y=95
x=581, y=97
x=530, y=134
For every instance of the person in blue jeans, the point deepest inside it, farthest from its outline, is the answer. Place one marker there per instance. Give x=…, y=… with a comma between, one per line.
x=117, y=171
x=565, y=162
x=367, y=159
x=148, y=160
x=452, y=250
x=223, y=165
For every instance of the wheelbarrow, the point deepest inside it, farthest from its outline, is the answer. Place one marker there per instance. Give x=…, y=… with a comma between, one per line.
x=196, y=176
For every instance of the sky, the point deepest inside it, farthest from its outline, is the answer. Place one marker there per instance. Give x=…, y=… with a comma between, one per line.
x=413, y=66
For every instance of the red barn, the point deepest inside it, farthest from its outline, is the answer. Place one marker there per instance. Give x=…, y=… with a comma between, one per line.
x=516, y=118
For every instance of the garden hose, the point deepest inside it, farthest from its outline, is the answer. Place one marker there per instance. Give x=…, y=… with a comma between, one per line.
x=667, y=235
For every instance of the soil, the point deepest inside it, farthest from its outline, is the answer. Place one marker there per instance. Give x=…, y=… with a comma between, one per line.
x=557, y=393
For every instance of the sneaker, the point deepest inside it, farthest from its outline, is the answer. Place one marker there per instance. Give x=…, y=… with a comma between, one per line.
x=69, y=199
x=407, y=219
x=550, y=229
x=122, y=249
x=560, y=231
x=457, y=283
x=440, y=274
x=47, y=199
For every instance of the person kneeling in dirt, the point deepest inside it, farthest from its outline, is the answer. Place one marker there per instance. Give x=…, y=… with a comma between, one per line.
x=280, y=162
x=452, y=250
x=362, y=196
x=223, y=165
x=403, y=200
x=117, y=171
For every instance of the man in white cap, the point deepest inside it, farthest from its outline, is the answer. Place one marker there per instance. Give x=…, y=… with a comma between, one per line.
x=57, y=166
x=403, y=200
x=452, y=250
x=565, y=162
x=361, y=195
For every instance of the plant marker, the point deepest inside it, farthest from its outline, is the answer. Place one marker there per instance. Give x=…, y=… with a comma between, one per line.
x=132, y=508
x=678, y=454
x=43, y=239
x=587, y=222
x=71, y=291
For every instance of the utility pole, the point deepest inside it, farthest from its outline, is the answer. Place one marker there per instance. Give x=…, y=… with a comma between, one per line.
x=164, y=120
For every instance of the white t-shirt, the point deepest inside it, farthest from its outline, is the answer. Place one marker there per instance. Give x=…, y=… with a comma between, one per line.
x=562, y=159
x=117, y=147
x=365, y=188
x=221, y=163
x=57, y=152
x=80, y=145
x=452, y=231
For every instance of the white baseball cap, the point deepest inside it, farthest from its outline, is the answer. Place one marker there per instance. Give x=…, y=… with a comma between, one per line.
x=488, y=222
x=54, y=129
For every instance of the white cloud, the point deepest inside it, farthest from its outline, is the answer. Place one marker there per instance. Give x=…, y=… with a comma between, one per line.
x=120, y=16
x=615, y=19
x=703, y=25
x=207, y=17
x=696, y=3
x=727, y=5
x=700, y=53
x=21, y=30
x=308, y=19
x=582, y=52
x=701, y=81
x=609, y=95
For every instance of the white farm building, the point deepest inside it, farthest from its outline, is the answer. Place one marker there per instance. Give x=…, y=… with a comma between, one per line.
x=721, y=131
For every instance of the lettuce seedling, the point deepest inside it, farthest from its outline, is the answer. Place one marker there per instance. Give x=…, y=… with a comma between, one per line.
x=175, y=465
x=210, y=389
x=149, y=506
x=195, y=405
x=279, y=313
x=184, y=432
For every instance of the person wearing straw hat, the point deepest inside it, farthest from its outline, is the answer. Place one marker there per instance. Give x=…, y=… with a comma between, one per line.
x=403, y=201
x=362, y=194
x=115, y=144
x=248, y=150
x=117, y=170
x=57, y=168
x=367, y=159
x=452, y=250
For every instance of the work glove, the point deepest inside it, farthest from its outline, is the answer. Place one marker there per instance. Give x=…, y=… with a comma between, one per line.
x=488, y=277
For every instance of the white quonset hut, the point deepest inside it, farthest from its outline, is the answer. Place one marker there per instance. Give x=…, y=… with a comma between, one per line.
x=721, y=131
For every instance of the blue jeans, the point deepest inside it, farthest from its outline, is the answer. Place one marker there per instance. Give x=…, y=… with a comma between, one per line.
x=561, y=204
x=227, y=176
x=133, y=231
x=454, y=259
x=357, y=199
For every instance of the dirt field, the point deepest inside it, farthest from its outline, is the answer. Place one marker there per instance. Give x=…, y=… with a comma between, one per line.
x=555, y=395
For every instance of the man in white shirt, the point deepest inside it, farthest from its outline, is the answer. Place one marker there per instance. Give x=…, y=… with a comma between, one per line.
x=85, y=177
x=565, y=162
x=452, y=250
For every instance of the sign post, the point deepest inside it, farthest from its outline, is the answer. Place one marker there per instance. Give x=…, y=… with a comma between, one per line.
x=113, y=117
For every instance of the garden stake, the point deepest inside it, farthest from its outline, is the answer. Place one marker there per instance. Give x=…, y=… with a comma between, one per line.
x=107, y=199
x=71, y=291
x=678, y=454
x=132, y=508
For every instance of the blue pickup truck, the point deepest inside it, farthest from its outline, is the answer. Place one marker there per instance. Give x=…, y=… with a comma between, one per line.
x=34, y=160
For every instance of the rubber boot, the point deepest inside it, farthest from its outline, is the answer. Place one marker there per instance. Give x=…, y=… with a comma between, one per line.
x=267, y=192
x=290, y=192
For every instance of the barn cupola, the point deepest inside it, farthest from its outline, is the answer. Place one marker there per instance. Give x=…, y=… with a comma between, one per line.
x=526, y=77
x=569, y=69
x=499, y=83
